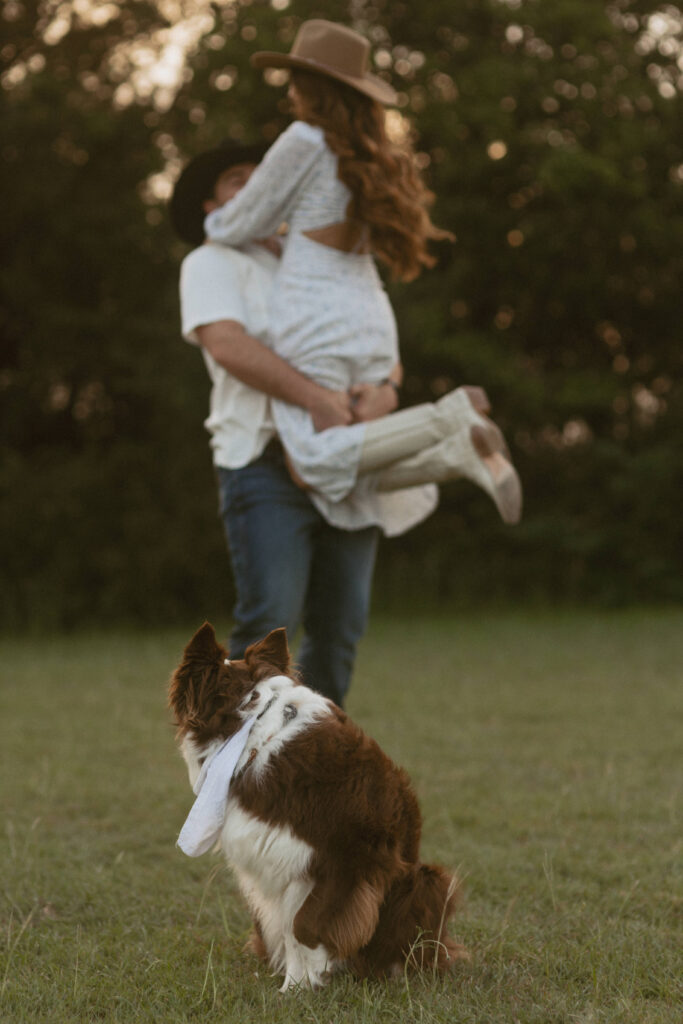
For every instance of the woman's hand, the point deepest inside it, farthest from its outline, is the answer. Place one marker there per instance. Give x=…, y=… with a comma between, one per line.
x=370, y=401
x=330, y=409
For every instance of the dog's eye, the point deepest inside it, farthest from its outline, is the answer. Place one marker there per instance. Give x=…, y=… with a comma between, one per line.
x=253, y=697
x=289, y=712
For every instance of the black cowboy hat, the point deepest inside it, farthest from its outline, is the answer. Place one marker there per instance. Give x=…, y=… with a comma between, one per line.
x=197, y=182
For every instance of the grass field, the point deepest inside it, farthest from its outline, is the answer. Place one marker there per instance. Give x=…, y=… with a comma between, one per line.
x=546, y=750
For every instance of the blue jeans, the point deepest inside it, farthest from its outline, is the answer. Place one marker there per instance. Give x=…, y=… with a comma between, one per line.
x=291, y=568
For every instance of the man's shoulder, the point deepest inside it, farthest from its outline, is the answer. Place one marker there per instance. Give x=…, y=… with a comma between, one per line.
x=211, y=255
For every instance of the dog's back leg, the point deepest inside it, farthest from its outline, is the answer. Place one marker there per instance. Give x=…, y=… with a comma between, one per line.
x=413, y=925
x=340, y=915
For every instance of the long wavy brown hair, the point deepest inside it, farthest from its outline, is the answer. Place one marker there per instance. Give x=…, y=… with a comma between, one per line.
x=388, y=194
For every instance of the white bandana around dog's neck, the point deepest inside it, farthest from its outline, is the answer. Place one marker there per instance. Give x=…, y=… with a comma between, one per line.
x=203, y=824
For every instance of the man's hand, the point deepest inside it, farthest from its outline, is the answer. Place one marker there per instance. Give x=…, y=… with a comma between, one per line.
x=330, y=409
x=370, y=401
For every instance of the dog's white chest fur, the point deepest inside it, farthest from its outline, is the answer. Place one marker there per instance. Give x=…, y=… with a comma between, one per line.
x=270, y=855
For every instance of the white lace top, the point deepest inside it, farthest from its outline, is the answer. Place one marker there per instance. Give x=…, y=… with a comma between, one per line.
x=296, y=182
x=330, y=318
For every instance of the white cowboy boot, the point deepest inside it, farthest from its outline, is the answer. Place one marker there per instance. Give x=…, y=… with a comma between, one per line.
x=476, y=451
x=409, y=431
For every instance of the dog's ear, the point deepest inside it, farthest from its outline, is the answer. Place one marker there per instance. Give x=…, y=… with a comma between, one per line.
x=204, y=645
x=201, y=658
x=270, y=653
x=206, y=689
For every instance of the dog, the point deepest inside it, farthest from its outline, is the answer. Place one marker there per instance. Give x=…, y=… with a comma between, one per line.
x=320, y=827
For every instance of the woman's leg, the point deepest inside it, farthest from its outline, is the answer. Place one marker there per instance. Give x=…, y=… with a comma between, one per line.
x=465, y=444
x=476, y=453
x=436, y=442
x=409, y=431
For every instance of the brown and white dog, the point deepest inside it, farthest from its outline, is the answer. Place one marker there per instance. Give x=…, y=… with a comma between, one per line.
x=320, y=827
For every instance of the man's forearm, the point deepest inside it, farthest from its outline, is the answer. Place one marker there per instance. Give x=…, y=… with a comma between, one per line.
x=250, y=361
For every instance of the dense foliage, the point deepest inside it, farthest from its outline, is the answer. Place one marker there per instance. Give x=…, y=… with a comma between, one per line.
x=551, y=134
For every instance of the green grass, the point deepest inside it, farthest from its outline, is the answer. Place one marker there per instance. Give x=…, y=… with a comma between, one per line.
x=546, y=750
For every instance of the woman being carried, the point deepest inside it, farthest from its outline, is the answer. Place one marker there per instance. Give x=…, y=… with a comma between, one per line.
x=348, y=194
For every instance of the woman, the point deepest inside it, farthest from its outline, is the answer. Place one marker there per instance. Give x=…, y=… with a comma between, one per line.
x=348, y=196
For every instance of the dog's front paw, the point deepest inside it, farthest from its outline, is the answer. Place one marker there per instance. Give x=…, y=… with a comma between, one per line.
x=289, y=983
x=306, y=982
x=306, y=968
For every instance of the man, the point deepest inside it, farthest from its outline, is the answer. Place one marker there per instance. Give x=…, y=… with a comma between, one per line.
x=290, y=566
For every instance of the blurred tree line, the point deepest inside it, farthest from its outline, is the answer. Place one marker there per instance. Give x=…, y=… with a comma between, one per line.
x=551, y=135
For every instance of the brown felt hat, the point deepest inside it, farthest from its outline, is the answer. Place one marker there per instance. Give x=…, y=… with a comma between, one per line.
x=327, y=48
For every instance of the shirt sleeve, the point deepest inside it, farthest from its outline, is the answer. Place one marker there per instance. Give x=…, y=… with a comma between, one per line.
x=211, y=289
x=267, y=198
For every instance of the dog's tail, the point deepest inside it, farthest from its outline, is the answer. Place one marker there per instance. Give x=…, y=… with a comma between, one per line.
x=412, y=927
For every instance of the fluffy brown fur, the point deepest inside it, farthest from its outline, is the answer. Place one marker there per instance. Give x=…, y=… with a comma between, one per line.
x=373, y=904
